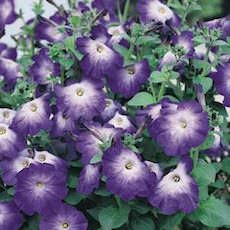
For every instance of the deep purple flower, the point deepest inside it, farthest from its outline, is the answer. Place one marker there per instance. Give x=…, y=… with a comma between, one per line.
x=99, y=58
x=9, y=69
x=127, y=176
x=6, y=116
x=44, y=157
x=32, y=117
x=185, y=40
x=62, y=124
x=110, y=109
x=43, y=67
x=201, y=51
x=154, y=10
x=10, y=217
x=128, y=80
x=88, y=143
x=39, y=187
x=148, y=114
x=123, y=122
x=8, y=52
x=7, y=13
x=222, y=82
x=176, y=191
x=89, y=179
x=10, y=142
x=180, y=127
x=155, y=169
x=63, y=217
x=84, y=99
x=11, y=167
x=48, y=29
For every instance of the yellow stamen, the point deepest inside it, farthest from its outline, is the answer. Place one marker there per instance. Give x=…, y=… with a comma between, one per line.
x=129, y=165
x=80, y=92
x=33, y=107
x=176, y=178
x=2, y=130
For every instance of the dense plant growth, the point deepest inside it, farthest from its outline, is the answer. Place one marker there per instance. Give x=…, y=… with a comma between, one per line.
x=114, y=116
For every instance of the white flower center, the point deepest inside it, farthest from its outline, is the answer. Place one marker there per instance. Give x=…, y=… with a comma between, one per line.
x=176, y=178
x=131, y=70
x=129, y=165
x=100, y=49
x=2, y=130
x=42, y=157
x=162, y=10
x=33, y=107
x=65, y=225
x=80, y=92
x=6, y=114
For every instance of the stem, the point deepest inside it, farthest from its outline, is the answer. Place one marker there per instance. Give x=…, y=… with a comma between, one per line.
x=195, y=157
x=162, y=91
x=126, y=10
x=140, y=130
x=153, y=94
x=119, y=11
x=118, y=201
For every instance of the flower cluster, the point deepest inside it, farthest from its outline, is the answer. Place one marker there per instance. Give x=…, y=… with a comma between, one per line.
x=107, y=116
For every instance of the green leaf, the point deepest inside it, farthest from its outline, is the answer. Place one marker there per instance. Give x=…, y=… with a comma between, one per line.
x=144, y=40
x=96, y=158
x=213, y=213
x=226, y=165
x=74, y=198
x=204, y=173
x=205, y=82
x=75, y=20
x=113, y=217
x=102, y=192
x=157, y=77
x=142, y=223
x=208, y=143
x=169, y=222
x=141, y=99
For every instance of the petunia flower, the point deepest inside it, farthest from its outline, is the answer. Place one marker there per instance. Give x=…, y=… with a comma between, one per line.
x=89, y=179
x=84, y=99
x=127, y=176
x=11, y=218
x=39, y=187
x=176, y=191
x=43, y=67
x=128, y=80
x=32, y=117
x=63, y=217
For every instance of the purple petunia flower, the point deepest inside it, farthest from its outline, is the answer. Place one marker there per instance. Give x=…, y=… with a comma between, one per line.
x=32, y=117
x=62, y=124
x=63, y=217
x=127, y=176
x=154, y=10
x=43, y=67
x=44, y=157
x=110, y=109
x=123, y=122
x=108, y=5
x=185, y=40
x=222, y=82
x=155, y=169
x=48, y=29
x=7, y=13
x=89, y=179
x=128, y=80
x=84, y=99
x=39, y=187
x=9, y=69
x=11, y=167
x=99, y=58
x=7, y=116
x=180, y=127
x=10, y=142
x=10, y=217
x=88, y=143
x=176, y=191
